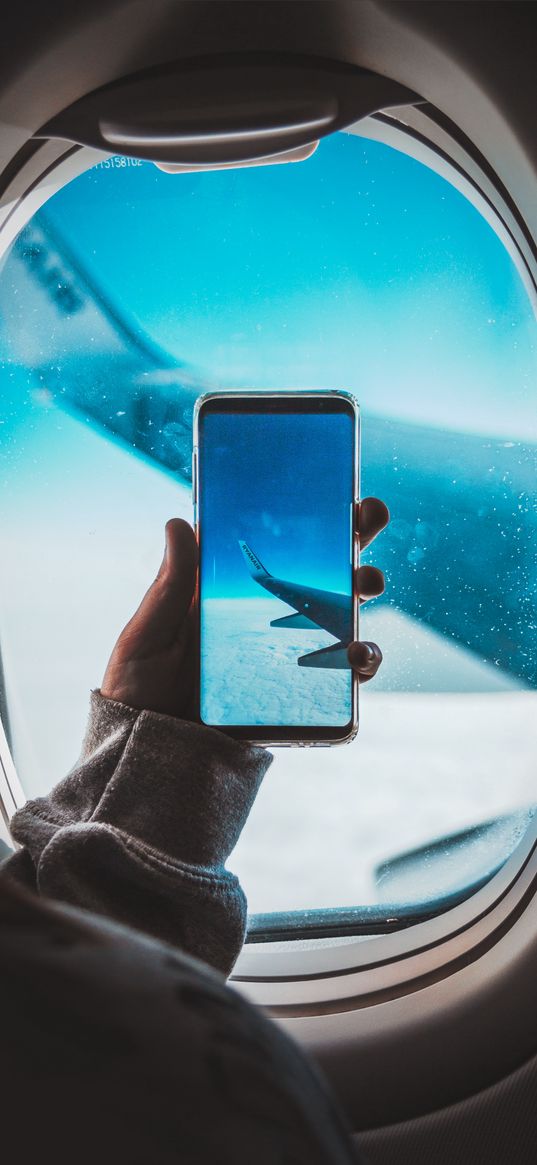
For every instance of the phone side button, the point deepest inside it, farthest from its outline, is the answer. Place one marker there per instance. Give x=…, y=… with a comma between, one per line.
x=194, y=477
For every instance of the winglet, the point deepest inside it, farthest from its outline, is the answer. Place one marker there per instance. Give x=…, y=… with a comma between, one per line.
x=255, y=567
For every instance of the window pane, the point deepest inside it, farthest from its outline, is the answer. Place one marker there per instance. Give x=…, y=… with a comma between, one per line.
x=131, y=292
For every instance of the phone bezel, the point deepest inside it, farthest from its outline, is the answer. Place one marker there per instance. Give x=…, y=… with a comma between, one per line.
x=282, y=400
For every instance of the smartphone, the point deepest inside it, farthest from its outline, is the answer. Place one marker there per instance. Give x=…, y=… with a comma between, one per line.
x=275, y=490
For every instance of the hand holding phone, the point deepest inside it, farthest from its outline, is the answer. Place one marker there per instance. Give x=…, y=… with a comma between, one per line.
x=154, y=663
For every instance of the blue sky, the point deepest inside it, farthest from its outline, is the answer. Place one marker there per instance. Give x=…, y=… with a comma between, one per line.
x=357, y=269
x=283, y=496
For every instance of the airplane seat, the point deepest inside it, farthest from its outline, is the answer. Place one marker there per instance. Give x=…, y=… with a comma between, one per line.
x=497, y=1126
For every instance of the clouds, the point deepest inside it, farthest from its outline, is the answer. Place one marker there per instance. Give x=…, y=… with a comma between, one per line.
x=251, y=671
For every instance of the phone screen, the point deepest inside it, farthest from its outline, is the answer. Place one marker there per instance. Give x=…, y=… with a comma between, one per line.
x=276, y=489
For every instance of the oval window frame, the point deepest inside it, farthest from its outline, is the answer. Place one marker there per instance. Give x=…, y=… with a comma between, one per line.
x=326, y=976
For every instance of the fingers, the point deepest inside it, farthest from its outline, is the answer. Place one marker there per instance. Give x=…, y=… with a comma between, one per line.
x=365, y=659
x=163, y=610
x=373, y=516
x=369, y=582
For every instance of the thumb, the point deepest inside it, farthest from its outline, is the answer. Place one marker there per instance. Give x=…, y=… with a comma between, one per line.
x=179, y=565
x=163, y=610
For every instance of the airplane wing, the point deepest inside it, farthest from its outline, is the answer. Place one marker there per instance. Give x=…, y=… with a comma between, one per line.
x=450, y=496
x=100, y=365
x=334, y=656
x=326, y=610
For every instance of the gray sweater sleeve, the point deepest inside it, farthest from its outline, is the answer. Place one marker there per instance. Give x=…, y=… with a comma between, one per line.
x=141, y=828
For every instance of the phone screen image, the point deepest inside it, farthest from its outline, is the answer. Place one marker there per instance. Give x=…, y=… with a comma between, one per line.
x=276, y=495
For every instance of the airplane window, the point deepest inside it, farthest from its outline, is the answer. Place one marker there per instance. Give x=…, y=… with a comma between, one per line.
x=129, y=293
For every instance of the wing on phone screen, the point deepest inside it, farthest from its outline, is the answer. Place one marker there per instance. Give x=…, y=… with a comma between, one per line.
x=276, y=568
